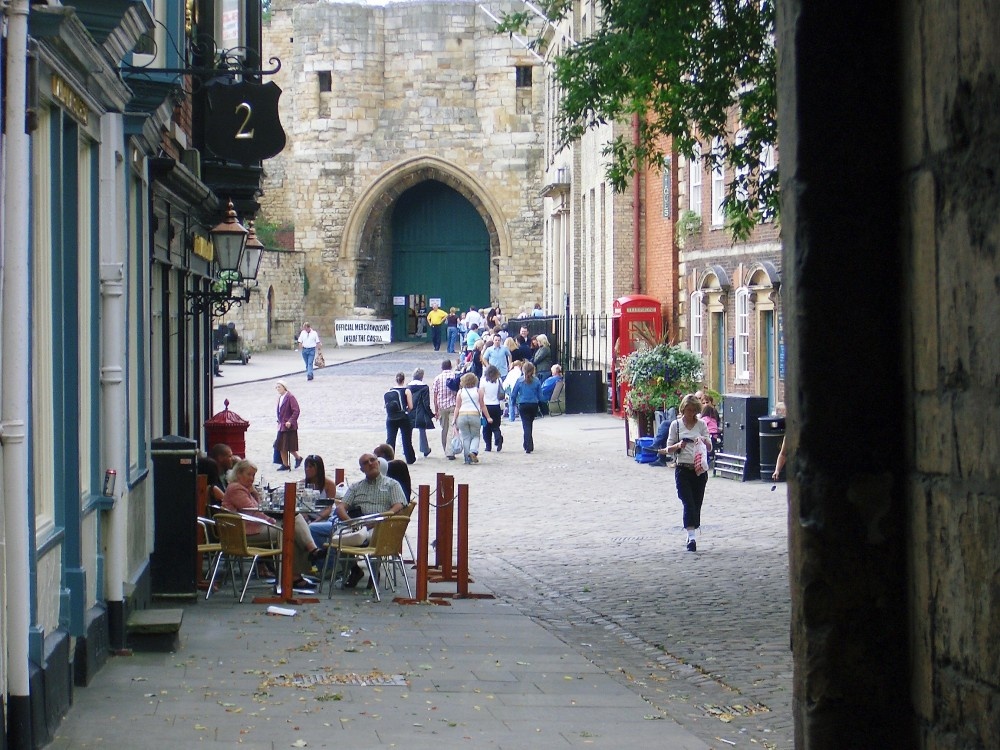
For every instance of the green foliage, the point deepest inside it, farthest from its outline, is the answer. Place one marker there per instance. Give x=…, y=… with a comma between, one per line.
x=267, y=231
x=681, y=68
x=688, y=224
x=658, y=378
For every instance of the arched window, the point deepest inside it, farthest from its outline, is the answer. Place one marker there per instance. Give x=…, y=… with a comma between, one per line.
x=697, y=318
x=742, y=335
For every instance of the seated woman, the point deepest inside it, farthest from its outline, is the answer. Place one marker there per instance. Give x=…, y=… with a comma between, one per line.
x=710, y=416
x=241, y=497
x=316, y=479
x=395, y=468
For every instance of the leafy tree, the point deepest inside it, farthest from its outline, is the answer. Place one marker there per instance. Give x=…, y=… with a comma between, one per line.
x=682, y=67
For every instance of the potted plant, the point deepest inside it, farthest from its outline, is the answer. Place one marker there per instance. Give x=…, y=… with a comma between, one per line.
x=657, y=378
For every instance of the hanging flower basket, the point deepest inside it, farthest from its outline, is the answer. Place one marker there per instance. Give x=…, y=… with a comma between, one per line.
x=657, y=379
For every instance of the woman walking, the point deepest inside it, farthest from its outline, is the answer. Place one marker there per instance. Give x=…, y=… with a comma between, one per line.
x=421, y=416
x=287, y=441
x=686, y=432
x=398, y=405
x=491, y=390
x=528, y=395
x=469, y=410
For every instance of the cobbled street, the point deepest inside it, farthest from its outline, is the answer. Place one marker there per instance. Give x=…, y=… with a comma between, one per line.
x=589, y=543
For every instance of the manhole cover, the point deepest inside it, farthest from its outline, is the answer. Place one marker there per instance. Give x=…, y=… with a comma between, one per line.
x=325, y=678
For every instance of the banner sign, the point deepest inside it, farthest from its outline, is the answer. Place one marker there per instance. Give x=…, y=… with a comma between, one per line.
x=363, y=332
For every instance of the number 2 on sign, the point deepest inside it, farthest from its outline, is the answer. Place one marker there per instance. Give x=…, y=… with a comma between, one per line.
x=243, y=133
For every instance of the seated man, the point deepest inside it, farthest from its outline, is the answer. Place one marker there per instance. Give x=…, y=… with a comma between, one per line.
x=660, y=441
x=553, y=393
x=216, y=466
x=377, y=493
x=374, y=494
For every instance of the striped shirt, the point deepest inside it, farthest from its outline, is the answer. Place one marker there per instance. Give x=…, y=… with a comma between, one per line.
x=444, y=397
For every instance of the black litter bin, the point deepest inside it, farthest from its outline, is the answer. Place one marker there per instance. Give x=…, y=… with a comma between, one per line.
x=175, y=542
x=772, y=433
x=583, y=392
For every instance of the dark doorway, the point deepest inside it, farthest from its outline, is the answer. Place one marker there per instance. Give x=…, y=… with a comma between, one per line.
x=440, y=250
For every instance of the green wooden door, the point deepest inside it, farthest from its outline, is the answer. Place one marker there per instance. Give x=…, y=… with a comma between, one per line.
x=440, y=248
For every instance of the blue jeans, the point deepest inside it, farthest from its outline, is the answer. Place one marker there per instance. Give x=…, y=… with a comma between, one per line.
x=308, y=355
x=528, y=413
x=321, y=532
x=453, y=344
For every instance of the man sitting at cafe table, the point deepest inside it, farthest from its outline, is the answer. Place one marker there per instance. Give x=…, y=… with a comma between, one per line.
x=376, y=493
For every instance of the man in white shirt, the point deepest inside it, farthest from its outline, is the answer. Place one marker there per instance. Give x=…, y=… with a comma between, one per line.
x=308, y=342
x=473, y=316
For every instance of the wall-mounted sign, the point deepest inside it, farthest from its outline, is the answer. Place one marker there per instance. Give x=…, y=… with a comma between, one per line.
x=434, y=301
x=71, y=100
x=781, y=347
x=242, y=123
x=362, y=332
x=399, y=301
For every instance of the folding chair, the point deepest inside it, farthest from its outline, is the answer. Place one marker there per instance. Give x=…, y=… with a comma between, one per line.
x=208, y=547
x=233, y=541
x=557, y=402
x=385, y=548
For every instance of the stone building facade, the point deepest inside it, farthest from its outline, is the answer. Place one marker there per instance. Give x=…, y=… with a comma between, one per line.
x=379, y=99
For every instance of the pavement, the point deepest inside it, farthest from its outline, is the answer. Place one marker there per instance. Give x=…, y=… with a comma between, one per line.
x=603, y=631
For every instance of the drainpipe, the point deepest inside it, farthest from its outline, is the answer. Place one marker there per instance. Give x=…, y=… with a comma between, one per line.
x=112, y=174
x=636, y=216
x=14, y=402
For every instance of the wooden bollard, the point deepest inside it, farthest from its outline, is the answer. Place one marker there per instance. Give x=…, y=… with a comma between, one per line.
x=445, y=520
x=423, y=537
x=423, y=532
x=463, y=540
x=287, y=596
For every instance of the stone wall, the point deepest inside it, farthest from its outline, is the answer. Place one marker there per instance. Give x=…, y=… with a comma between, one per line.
x=273, y=318
x=952, y=356
x=891, y=272
x=422, y=90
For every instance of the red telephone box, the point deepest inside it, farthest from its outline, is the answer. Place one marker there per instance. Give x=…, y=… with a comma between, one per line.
x=635, y=320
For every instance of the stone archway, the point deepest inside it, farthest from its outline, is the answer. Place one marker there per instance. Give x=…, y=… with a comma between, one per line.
x=366, y=243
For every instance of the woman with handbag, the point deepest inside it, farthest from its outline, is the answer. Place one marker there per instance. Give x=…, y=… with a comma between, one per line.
x=688, y=441
x=421, y=415
x=469, y=410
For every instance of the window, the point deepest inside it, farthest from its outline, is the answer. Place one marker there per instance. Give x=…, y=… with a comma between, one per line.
x=742, y=173
x=697, y=318
x=229, y=25
x=743, y=335
x=325, y=78
x=718, y=183
x=695, y=168
x=767, y=165
x=522, y=76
